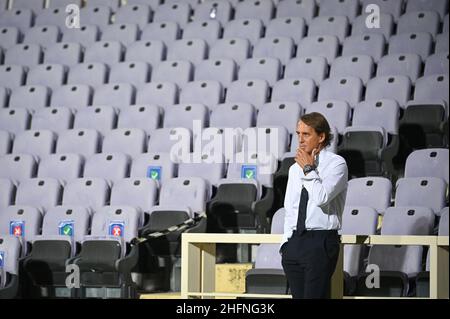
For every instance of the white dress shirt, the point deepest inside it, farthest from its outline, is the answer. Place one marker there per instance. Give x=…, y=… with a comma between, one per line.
x=327, y=189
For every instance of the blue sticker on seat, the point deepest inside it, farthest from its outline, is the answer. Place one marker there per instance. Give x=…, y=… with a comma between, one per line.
x=116, y=228
x=2, y=259
x=17, y=228
x=66, y=228
x=248, y=171
x=154, y=172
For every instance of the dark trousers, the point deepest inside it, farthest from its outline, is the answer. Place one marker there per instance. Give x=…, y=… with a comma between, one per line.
x=309, y=261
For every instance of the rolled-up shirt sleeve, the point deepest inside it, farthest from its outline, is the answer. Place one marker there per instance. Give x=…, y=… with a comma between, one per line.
x=322, y=191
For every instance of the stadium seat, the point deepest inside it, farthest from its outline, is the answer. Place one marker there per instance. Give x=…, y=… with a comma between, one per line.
x=326, y=46
x=108, y=52
x=156, y=166
x=19, y=18
x=95, y=15
x=359, y=26
x=92, y=74
x=360, y=66
x=110, y=167
x=256, y=92
x=179, y=72
x=31, y=97
x=85, y=142
x=373, y=45
x=261, y=9
x=267, y=69
x=204, y=92
x=373, y=192
x=166, y=31
x=297, y=90
x=74, y=96
x=442, y=43
x=397, y=88
x=419, y=21
x=17, y=167
x=130, y=141
x=437, y=64
x=125, y=33
x=117, y=95
x=24, y=54
x=417, y=43
x=86, y=35
x=140, y=193
x=9, y=36
x=186, y=115
x=53, y=4
x=331, y=25
x=23, y=222
x=440, y=6
x=38, y=143
x=42, y=35
x=176, y=141
x=53, y=119
x=101, y=119
x=281, y=48
x=192, y=50
x=51, y=75
x=250, y=29
x=349, y=8
x=221, y=11
x=144, y=117
x=348, y=89
x=392, y=7
x=208, y=31
x=134, y=73
x=207, y=168
x=41, y=193
x=306, y=9
x=113, y=4
x=282, y=27
x=222, y=70
x=436, y=160
x=336, y=112
x=62, y=167
x=11, y=251
x=409, y=65
x=283, y=114
x=134, y=13
x=55, y=17
x=234, y=115
x=234, y=48
x=314, y=68
x=66, y=53
x=147, y=51
x=177, y=12
x=158, y=93
x=92, y=193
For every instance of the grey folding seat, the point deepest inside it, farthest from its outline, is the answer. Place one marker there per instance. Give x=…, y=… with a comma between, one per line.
x=398, y=264
x=250, y=174
x=54, y=17
x=53, y=4
x=92, y=193
x=7, y=193
x=421, y=191
x=335, y=25
x=436, y=160
x=93, y=74
x=360, y=66
x=261, y=9
x=392, y=7
x=373, y=192
x=282, y=27
x=42, y=193
x=373, y=45
x=53, y=119
x=108, y=52
x=400, y=64
x=42, y=35
x=130, y=141
x=134, y=13
x=359, y=26
x=193, y=50
x=281, y=48
x=85, y=142
x=19, y=18
x=209, y=31
x=32, y=5
x=176, y=141
x=14, y=120
x=283, y=114
x=17, y=167
x=348, y=89
x=297, y=90
x=21, y=221
x=419, y=21
x=97, y=15
x=117, y=95
x=432, y=88
x=63, y=53
x=326, y=46
x=177, y=71
x=207, y=168
x=144, y=117
x=445, y=27
x=62, y=167
x=5, y=143
x=178, y=12
x=125, y=33
x=24, y=54
x=256, y=92
x=268, y=69
x=156, y=166
x=108, y=250
x=101, y=118
x=397, y=88
x=152, y=52
x=440, y=6
x=313, y=67
x=31, y=97
x=10, y=249
x=443, y=222
x=140, y=193
x=38, y=143
x=135, y=73
x=186, y=115
x=250, y=29
x=347, y=8
x=86, y=35
x=62, y=228
x=265, y=140
x=166, y=31
x=235, y=48
x=418, y=43
x=437, y=64
x=336, y=112
x=113, y=4
x=233, y=115
x=158, y=93
x=442, y=43
x=110, y=166
x=382, y=113
x=51, y=75
x=268, y=276
x=222, y=70
x=72, y=96
x=9, y=36
x=3, y=97
x=217, y=10
x=306, y=9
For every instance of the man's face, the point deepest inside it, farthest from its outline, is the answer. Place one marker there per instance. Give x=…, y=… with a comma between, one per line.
x=308, y=139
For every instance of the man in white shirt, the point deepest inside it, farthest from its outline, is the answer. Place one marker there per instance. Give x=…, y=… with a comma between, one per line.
x=314, y=202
